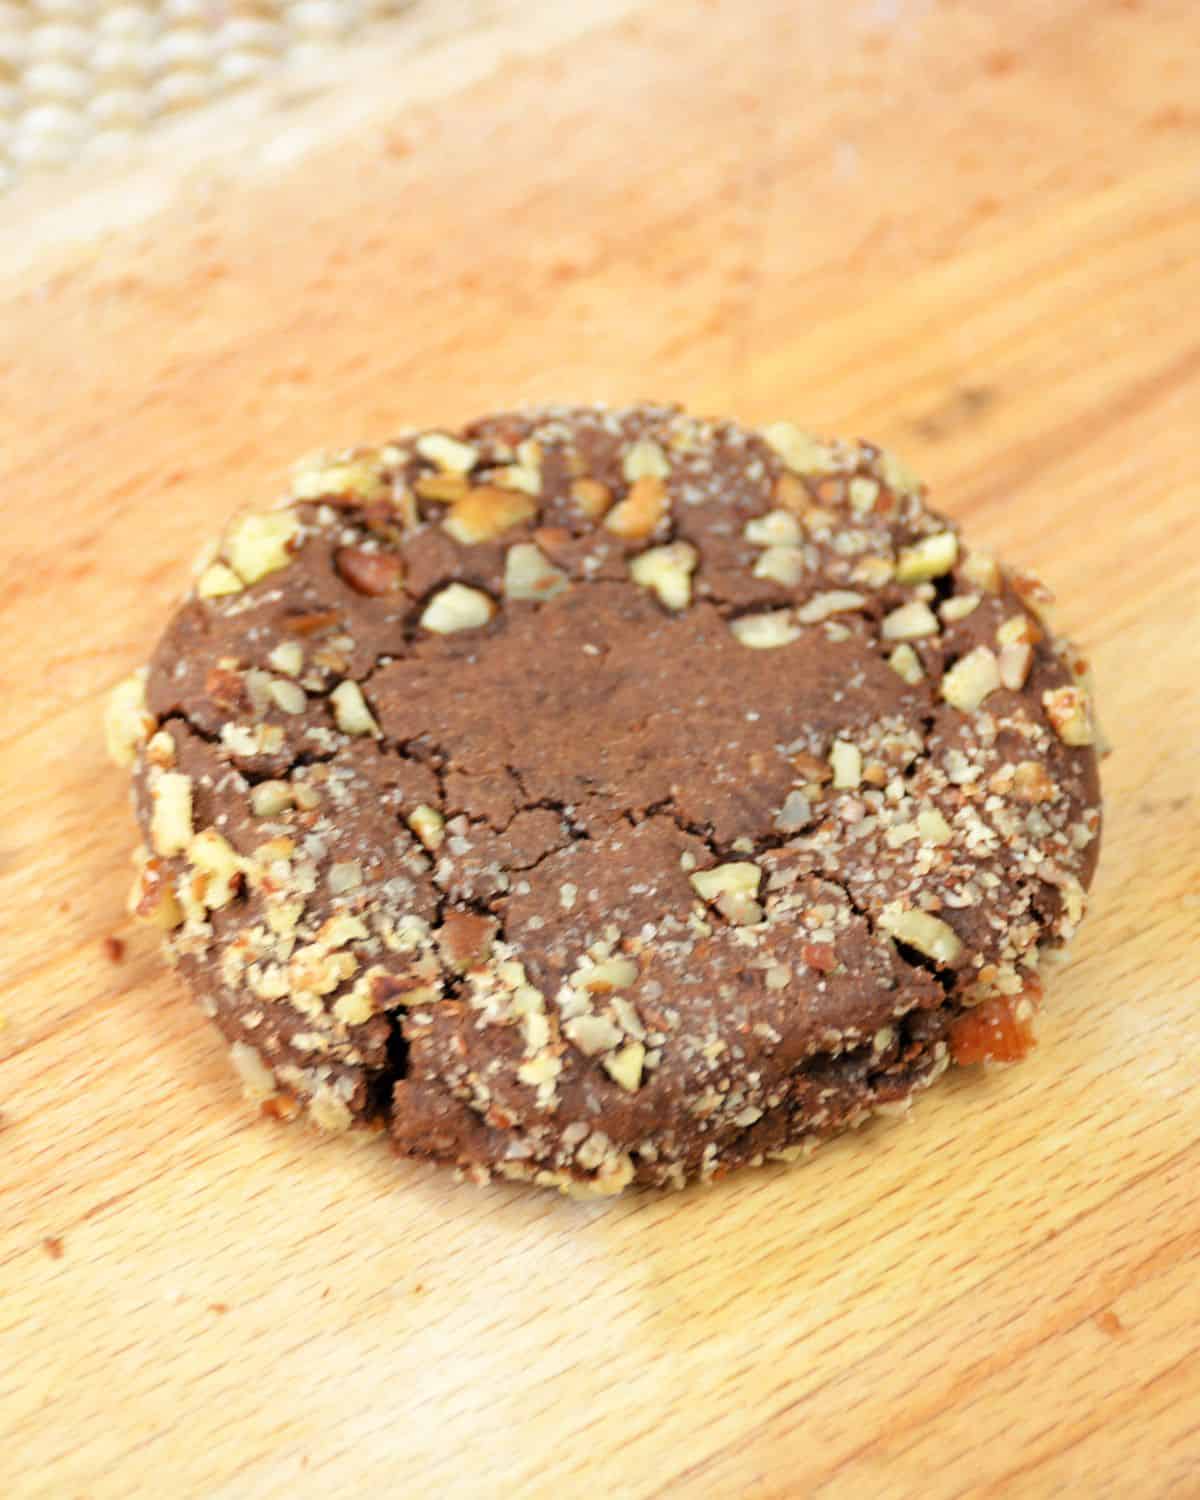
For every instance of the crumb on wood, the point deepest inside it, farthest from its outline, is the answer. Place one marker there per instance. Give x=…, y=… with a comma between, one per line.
x=1108, y=1322
x=218, y=1307
x=53, y=1246
x=114, y=947
x=280, y=1107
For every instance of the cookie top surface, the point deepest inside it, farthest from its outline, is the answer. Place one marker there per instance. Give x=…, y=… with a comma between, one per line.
x=568, y=786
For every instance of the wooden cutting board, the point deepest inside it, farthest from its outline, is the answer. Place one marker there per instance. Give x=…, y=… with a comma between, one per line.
x=969, y=230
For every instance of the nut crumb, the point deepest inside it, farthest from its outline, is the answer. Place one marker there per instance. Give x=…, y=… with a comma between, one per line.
x=217, y=581
x=909, y=622
x=846, y=762
x=923, y=931
x=1067, y=709
x=642, y=509
x=667, y=570
x=1014, y=666
x=529, y=575
x=128, y=723
x=592, y=497
x=428, y=825
x=486, y=513
x=971, y=679
x=645, y=459
x=833, y=602
x=768, y=631
x=261, y=543
x=288, y=658
x=171, y=817
x=625, y=1065
x=778, y=528
x=1108, y=1322
x=447, y=453
x=982, y=570
x=801, y=452
x=350, y=711
x=928, y=558
x=958, y=608
x=783, y=565
x=457, y=607
x=371, y=573
x=905, y=662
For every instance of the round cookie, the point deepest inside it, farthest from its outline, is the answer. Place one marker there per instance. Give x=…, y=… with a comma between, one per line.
x=609, y=796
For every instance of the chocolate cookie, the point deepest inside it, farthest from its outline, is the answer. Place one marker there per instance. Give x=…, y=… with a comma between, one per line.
x=602, y=797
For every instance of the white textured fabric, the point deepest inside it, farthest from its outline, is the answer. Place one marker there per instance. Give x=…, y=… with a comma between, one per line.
x=88, y=76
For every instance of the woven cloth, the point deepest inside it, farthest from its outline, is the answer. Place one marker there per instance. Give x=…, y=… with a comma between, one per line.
x=90, y=76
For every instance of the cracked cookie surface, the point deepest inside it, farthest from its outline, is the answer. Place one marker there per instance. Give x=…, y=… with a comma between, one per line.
x=609, y=796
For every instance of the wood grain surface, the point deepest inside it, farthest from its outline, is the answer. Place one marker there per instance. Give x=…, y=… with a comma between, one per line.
x=969, y=229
